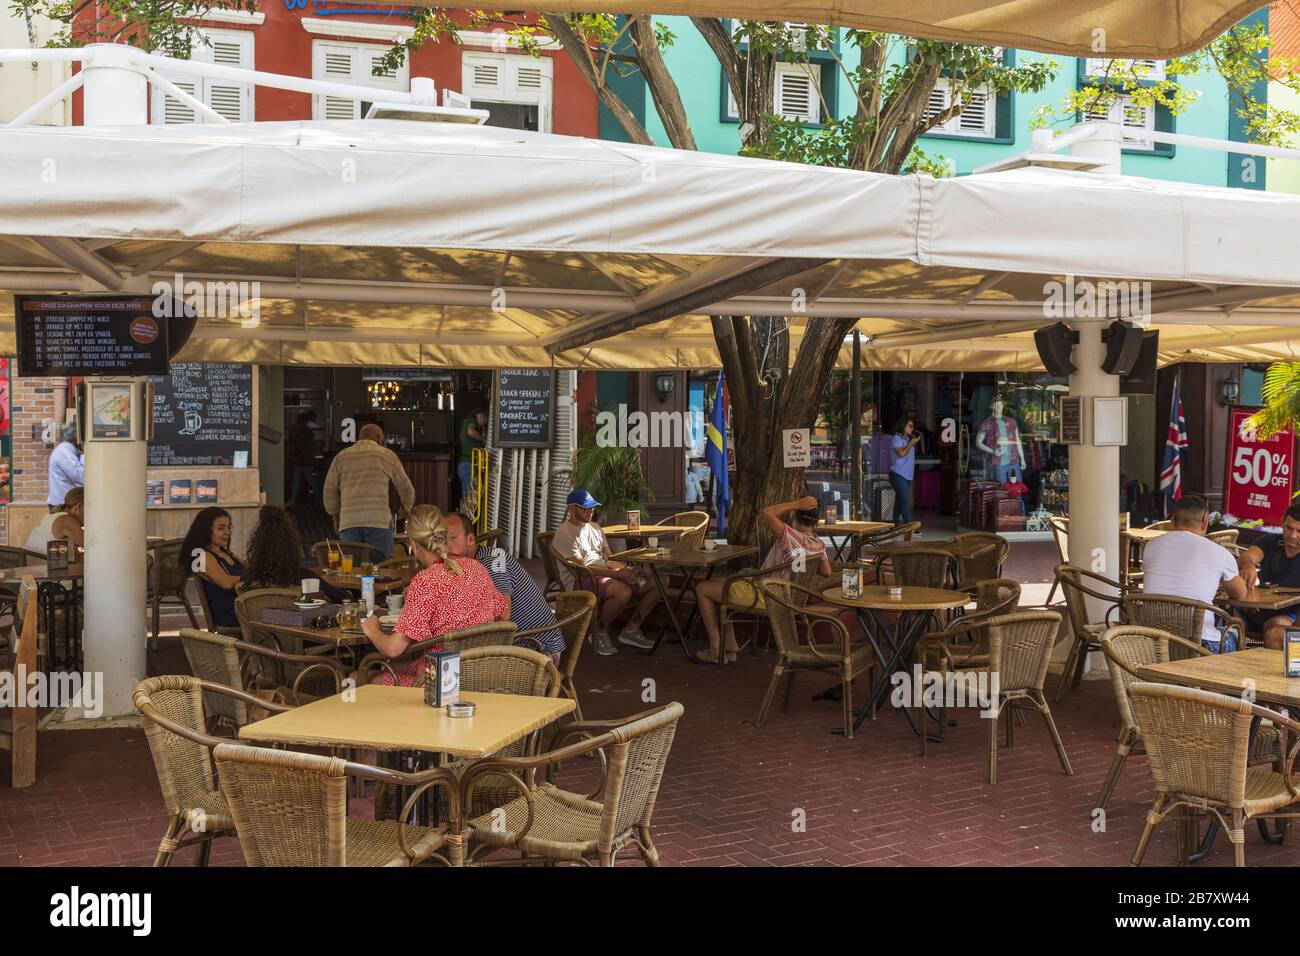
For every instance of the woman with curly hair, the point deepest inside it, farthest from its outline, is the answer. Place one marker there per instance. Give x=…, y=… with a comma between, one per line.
x=275, y=555
x=209, y=541
x=449, y=594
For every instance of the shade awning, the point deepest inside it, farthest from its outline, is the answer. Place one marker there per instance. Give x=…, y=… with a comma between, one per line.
x=383, y=242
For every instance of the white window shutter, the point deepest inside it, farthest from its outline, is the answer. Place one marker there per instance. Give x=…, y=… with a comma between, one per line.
x=173, y=110
x=234, y=101
x=974, y=119
x=938, y=101
x=978, y=119
x=796, y=93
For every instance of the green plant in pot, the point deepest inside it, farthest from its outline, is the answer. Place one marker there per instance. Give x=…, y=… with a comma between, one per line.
x=611, y=473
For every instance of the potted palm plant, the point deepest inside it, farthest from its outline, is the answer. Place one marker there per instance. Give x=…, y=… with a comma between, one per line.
x=612, y=473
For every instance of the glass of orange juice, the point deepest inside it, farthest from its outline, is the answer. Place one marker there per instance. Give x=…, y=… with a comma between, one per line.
x=347, y=563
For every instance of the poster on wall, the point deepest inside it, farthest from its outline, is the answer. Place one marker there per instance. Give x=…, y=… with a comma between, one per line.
x=6, y=436
x=1257, y=485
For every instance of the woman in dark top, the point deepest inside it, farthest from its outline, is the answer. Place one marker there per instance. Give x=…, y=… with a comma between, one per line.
x=275, y=555
x=209, y=539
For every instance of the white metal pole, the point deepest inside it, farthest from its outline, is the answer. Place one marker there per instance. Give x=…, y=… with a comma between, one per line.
x=1094, y=470
x=114, y=642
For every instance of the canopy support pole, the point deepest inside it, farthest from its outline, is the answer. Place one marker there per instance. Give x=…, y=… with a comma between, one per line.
x=115, y=586
x=855, y=430
x=1094, y=470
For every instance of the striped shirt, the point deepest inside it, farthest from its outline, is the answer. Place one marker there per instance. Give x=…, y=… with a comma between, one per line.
x=528, y=608
x=356, y=488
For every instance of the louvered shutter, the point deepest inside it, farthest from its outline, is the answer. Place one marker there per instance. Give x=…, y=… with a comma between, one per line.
x=796, y=93
x=234, y=101
x=358, y=64
x=509, y=78
x=335, y=63
x=173, y=110
x=938, y=101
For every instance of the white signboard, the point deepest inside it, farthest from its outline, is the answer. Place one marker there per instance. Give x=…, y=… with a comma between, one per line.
x=796, y=443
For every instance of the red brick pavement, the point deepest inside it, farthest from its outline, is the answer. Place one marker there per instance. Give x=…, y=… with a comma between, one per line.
x=732, y=793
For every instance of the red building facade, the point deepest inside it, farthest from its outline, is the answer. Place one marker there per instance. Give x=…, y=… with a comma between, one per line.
x=341, y=42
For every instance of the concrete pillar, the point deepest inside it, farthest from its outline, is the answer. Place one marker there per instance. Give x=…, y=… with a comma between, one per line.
x=1094, y=471
x=115, y=584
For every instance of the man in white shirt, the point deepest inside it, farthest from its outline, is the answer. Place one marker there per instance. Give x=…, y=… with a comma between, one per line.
x=581, y=539
x=1185, y=563
x=67, y=468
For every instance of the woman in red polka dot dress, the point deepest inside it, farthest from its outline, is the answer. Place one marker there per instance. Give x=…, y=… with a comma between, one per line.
x=450, y=593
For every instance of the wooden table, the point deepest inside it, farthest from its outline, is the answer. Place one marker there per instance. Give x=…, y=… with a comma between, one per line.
x=849, y=530
x=1266, y=599
x=397, y=718
x=51, y=594
x=915, y=608
x=691, y=560
x=646, y=530
x=400, y=578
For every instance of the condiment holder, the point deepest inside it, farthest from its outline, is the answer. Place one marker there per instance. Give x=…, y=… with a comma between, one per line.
x=461, y=708
x=895, y=592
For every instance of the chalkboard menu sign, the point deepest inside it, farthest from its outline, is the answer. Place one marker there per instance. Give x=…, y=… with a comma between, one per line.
x=89, y=335
x=525, y=408
x=202, y=414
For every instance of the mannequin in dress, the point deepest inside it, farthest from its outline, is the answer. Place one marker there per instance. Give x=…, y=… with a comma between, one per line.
x=999, y=438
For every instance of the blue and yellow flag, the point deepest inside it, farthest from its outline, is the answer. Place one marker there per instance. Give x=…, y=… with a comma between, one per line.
x=715, y=454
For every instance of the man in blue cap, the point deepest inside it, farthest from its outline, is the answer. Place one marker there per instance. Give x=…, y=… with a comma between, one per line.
x=579, y=538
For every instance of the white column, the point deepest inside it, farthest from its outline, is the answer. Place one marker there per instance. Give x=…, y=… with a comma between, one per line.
x=114, y=641
x=1094, y=471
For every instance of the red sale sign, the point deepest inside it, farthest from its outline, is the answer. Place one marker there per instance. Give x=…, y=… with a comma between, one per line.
x=1259, y=471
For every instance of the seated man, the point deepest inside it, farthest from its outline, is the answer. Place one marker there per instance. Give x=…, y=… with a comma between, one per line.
x=1273, y=561
x=581, y=539
x=528, y=608
x=1185, y=563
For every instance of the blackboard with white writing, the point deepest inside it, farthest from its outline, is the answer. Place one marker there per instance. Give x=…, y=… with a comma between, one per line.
x=89, y=335
x=524, y=408
x=202, y=414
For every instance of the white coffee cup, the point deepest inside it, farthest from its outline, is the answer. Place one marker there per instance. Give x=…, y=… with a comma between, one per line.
x=710, y=544
x=652, y=543
x=310, y=585
x=394, y=603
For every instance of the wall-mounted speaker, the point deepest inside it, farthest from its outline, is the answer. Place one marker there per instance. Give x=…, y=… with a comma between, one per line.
x=1055, y=343
x=1123, y=346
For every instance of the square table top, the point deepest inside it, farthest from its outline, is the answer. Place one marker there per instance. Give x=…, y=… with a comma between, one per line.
x=323, y=635
x=397, y=718
x=957, y=547
x=1228, y=673
x=401, y=577
x=1267, y=599
x=645, y=530
x=853, y=527
x=1145, y=534
x=688, y=555
x=40, y=571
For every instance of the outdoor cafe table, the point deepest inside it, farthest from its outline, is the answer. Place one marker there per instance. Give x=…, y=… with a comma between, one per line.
x=848, y=531
x=397, y=720
x=690, y=560
x=1258, y=668
x=51, y=594
x=387, y=579
x=915, y=608
x=1266, y=599
x=646, y=530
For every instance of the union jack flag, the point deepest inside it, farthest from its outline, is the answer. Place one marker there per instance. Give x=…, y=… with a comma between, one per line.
x=1171, y=475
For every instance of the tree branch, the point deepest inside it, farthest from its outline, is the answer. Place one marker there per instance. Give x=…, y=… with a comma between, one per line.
x=577, y=50
x=667, y=97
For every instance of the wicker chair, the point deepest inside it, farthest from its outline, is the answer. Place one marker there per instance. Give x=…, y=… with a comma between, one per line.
x=1198, y=746
x=802, y=646
x=742, y=597
x=361, y=553
x=1020, y=648
x=290, y=809
x=176, y=731
x=550, y=562
x=1061, y=538
x=940, y=649
x=1226, y=539
x=209, y=620
x=920, y=568
x=545, y=823
x=986, y=563
x=11, y=558
x=248, y=611
x=1178, y=615
x=1086, y=632
x=168, y=580
x=697, y=520
x=864, y=543
x=254, y=668
x=575, y=615
x=492, y=634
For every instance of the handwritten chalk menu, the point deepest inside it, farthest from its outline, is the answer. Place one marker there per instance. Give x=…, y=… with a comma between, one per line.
x=202, y=414
x=89, y=335
x=525, y=408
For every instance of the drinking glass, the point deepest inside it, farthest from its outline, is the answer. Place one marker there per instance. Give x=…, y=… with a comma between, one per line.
x=334, y=559
x=347, y=564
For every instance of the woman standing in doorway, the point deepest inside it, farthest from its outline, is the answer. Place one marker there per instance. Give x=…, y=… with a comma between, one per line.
x=902, y=468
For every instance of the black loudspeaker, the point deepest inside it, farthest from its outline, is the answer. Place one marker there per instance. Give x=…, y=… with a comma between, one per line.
x=1123, y=346
x=1141, y=379
x=1054, y=346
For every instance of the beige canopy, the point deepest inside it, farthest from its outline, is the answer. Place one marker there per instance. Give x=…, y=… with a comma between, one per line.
x=1115, y=28
x=383, y=242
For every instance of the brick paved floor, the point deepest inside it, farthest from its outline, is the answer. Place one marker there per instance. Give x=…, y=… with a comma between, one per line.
x=732, y=791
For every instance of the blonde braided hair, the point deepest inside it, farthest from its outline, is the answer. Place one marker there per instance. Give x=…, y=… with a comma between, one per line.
x=426, y=525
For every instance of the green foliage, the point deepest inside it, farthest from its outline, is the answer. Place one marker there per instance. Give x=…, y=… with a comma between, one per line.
x=154, y=25
x=1281, y=395
x=612, y=473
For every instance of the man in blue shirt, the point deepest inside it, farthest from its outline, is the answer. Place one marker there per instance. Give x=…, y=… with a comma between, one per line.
x=902, y=468
x=528, y=608
x=1273, y=560
x=67, y=468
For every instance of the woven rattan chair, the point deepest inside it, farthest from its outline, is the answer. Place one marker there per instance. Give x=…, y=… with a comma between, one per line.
x=294, y=679
x=248, y=611
x=1077, y=585
x=168, y=581
x=992, y=598
x=986, y=563
x=1178, y=615
x=575, y=612
x=492, y=634
x=546, y=824
x=550, y=562
x=698, y=521
x=290, y=809
x=864, y=543
x=1060, y=527
x=1226, y=539
x=176, y=731
x=802, y=645
x=209, y=620
x=743, y=598
x=361, y=552
x=919, y=568
x=1198, y=746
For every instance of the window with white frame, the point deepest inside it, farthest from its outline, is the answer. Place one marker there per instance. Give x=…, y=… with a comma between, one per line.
x=978, y=118
x=1132, y=116
x=795, y=95
x=1142, y=69
x=514, y=88
x=353, y=63
x=816, y=36
x=234, y=101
